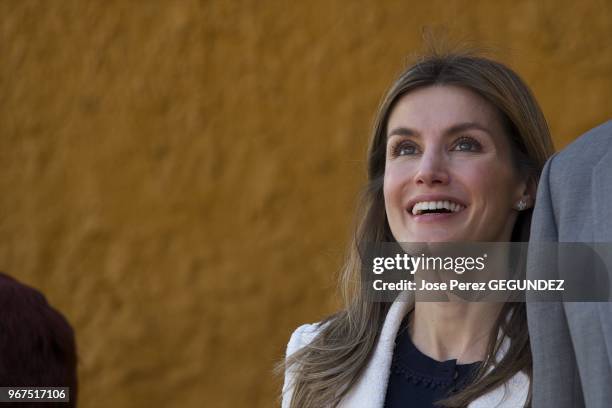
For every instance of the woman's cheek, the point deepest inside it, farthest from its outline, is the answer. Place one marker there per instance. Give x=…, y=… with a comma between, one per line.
x=392, y=191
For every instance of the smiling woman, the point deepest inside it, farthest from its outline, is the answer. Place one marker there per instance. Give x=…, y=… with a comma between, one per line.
x=455, y=156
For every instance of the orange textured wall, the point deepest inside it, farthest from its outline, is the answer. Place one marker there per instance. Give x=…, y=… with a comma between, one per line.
x=179, y=177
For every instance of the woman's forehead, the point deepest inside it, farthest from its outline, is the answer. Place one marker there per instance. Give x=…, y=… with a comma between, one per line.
x=437, y=108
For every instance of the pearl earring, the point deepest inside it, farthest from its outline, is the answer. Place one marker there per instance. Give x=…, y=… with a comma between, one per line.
x=521, y=205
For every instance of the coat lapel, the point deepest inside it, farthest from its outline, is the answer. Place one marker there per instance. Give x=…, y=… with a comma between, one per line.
x=602, y=232
x=371, y=388
x=601, y=193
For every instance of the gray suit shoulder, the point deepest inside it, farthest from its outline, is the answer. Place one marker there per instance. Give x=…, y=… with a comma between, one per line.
x=583, y=152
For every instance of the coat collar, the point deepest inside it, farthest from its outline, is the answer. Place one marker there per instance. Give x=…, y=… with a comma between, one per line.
x=371, y=388
x=376, y=374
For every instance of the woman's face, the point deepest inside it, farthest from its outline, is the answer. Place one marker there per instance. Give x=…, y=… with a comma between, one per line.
x=448, y=172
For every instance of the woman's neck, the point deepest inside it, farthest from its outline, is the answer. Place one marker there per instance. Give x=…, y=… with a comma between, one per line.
x=453, y=330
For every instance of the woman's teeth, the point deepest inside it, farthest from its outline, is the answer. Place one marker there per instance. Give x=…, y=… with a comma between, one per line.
x=421, y=207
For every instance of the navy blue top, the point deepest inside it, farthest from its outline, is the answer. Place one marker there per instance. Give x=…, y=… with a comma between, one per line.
x=417, y=380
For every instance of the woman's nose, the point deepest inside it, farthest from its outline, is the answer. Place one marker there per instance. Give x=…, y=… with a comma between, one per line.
x=432, y=170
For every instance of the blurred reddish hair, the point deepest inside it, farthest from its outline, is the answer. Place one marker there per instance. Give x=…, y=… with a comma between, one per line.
x=37, y=344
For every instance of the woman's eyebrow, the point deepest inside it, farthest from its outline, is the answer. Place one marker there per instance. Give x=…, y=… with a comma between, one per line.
x=402, y=131
x=458, y=128
x=461, y=127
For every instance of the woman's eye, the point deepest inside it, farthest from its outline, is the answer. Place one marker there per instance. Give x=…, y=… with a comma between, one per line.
x=466, y=144
x=404, y=149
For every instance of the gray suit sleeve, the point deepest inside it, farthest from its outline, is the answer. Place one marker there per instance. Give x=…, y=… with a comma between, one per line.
x=556, y=382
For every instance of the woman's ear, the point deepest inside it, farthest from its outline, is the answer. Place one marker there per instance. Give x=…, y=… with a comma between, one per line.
x=529, y=192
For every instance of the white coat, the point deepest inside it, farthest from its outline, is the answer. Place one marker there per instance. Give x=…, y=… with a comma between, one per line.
x=370, y=389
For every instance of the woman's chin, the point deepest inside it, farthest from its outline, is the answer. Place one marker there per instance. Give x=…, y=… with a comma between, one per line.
x=441, y=236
